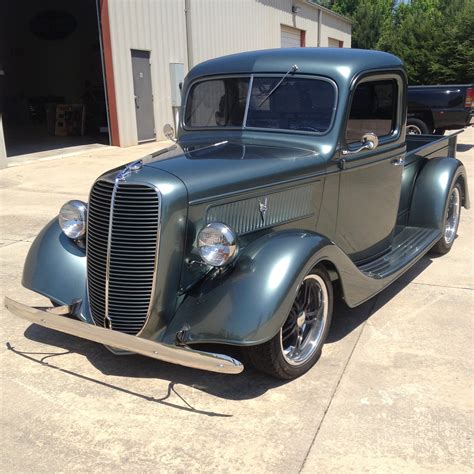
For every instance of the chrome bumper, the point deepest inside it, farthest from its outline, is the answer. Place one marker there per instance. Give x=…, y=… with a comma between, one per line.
x=51, y=318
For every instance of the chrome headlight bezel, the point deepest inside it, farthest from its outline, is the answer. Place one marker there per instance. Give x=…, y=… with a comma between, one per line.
x=73, y=218
x=217, y=244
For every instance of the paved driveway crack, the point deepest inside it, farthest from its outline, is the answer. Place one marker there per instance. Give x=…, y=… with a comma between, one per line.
x=333, y=394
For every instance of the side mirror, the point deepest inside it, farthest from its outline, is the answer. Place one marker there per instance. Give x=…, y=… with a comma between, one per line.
x=168, y=132
x=369, y=141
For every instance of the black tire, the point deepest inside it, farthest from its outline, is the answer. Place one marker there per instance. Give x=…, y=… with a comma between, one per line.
x=270, y=357
x=416, y=126
x=444, y=244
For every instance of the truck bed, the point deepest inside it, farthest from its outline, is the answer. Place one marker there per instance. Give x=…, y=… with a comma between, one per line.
x=430, y=146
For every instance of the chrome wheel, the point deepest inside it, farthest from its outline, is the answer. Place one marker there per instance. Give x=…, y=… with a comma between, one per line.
x=452, y=216
x=302, y=332
x=413, y=130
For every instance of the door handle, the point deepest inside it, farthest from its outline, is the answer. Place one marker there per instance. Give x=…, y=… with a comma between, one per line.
x=136, y=101
x=398, y=161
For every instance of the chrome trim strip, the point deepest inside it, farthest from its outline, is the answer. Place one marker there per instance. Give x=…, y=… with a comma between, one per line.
x=247, y=103
x=109, y=249
x=174, y=354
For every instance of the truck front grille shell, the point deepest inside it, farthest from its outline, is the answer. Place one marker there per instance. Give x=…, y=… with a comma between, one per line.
x=122, y=252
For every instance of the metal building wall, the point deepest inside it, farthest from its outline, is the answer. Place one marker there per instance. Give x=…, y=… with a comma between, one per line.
x=157, y=26
x=228, y=26
x=335, y=27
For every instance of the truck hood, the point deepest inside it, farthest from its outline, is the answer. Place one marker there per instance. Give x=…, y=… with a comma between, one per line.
x=219, y=169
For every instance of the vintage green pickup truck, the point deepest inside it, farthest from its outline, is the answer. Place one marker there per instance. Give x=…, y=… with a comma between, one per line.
x=291, y=173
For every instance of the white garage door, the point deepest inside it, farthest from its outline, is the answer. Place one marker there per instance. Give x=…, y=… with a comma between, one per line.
x=290, y=37
x=334, y=43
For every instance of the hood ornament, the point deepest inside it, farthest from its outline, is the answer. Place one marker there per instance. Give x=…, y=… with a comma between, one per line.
x=133, y=167
x=263, y=207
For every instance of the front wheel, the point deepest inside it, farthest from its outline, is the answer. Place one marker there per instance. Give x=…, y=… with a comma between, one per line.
x=451, y=221
x=297, y=346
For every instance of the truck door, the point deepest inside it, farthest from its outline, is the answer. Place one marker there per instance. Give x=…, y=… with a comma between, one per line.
x=370, y=179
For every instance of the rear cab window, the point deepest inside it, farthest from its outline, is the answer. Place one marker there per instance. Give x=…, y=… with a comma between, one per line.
x=373, y=109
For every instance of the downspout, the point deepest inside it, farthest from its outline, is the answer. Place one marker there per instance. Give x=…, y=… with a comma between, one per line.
x=320, y=24
x=189, y=33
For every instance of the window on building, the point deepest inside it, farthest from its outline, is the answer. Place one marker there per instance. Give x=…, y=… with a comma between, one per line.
x=373, y=109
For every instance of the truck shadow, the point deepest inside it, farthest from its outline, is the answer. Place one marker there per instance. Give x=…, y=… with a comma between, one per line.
x=345, y=319
x=248, y=385
x=463, y=147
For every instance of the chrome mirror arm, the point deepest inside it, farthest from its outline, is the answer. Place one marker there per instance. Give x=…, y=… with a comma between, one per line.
x=365, y=146
x=369, y=141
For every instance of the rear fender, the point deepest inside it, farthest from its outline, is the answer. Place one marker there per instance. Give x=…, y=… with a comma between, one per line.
x=431, y=192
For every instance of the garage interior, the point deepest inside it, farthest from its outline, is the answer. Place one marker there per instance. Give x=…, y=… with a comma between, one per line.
x=51, y=82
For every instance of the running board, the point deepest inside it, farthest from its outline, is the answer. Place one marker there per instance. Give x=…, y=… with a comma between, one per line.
x=406, y=246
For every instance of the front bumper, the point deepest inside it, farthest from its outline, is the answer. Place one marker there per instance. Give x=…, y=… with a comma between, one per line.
x=57, y=318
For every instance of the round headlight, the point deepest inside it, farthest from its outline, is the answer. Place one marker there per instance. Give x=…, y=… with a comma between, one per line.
x=217, y=244
x=72, y=219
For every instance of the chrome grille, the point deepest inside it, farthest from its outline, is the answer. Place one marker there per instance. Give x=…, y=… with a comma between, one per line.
x=122, y=240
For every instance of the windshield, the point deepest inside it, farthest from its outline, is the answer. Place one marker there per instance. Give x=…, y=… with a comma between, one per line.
x=296, y=104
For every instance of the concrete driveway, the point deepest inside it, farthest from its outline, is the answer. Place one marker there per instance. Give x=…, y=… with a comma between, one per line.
x=393, y=391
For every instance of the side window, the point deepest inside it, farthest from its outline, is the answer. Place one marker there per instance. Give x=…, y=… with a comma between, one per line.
x=373, y=109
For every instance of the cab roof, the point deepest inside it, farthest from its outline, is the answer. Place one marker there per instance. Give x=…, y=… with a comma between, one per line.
x=335, y=63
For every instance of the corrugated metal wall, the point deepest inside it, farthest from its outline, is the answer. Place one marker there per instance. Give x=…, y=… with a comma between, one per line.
x=218, y=27
x=157, y=26
x=223, y=27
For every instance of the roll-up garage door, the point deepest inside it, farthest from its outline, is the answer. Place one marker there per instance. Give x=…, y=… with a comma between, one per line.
x=290, y=37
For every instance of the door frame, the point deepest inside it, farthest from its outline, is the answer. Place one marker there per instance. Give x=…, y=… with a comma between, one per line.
x=390, y=147
x=395, y=139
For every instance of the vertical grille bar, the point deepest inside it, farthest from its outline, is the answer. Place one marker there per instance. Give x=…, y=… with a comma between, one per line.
x=122, y=251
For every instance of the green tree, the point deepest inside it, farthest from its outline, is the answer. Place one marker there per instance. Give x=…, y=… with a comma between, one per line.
x=412, y=33
x=369, y=17
x=454, y=51
x=435, y=38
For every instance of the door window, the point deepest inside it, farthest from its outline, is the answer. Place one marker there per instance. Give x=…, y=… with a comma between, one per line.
x=373, y=109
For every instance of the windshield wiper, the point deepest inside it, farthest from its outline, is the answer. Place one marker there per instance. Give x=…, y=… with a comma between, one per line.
x=292, y=69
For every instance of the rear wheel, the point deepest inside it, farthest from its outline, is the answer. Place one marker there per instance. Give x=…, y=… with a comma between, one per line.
x=451, y=221
x=297, y=346
x=416, y=127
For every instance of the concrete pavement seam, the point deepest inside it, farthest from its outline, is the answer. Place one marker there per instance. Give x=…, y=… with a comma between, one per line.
x=12, y=242
x=337, y=385
x=445, y=286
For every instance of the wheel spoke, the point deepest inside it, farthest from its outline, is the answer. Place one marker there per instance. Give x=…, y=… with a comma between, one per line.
x=307, y=295
x=288, y=331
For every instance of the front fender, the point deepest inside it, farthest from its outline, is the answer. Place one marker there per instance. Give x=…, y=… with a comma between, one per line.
x=250, y=302
x=431, y=192
x=56, y=267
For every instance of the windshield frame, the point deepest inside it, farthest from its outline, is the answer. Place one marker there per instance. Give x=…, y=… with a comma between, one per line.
x=244, y=126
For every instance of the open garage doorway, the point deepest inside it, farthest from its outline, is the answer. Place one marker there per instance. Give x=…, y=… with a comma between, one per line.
x=51, y=79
